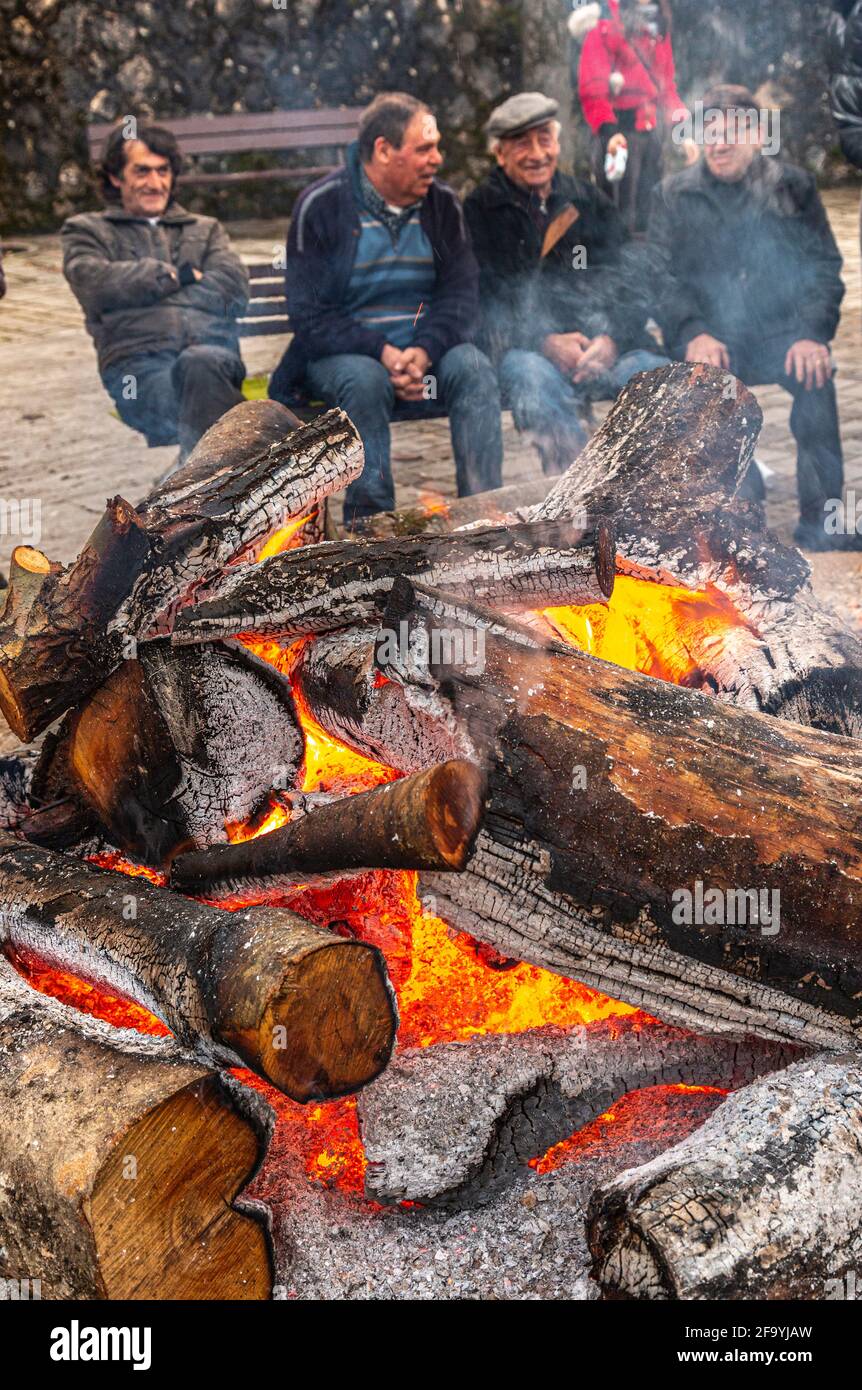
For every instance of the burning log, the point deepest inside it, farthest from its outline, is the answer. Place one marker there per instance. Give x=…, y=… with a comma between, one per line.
x=64, y=631
x=403, y=725
x=509, y=504
x=453, y=1124
x=666, y=462
x=762, y=1202
x=310, y=1011
x=427, y=821
x=623, y=812
x=121, y=1159
x=54, y=642
x=343, y=583
x=176, y=746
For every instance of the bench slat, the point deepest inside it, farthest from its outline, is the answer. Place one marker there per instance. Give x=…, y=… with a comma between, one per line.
x=259, y=328
x=258, y=130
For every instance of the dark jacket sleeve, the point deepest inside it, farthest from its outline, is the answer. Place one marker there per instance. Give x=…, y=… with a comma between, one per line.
x=607, y=295
x=502, y=294
x=845, y=87
x=101, y=284
x=454, y=308
x=223, y=291
x=315, y=252
x=676, y=306
x=821, y=288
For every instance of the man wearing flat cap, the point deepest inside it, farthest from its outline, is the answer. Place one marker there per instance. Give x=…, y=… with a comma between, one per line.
x=562, y=299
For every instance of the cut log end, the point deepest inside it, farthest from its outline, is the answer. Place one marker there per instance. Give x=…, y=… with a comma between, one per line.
x=31, y=561
x=192, y=1155
x=454, y=809
x=329, y=1029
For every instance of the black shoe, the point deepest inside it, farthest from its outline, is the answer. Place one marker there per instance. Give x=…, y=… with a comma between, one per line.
x=812, y=535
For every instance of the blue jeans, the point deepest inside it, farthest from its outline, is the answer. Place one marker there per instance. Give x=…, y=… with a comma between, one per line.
x=171, y=397
x=545, y=402
x=467, y=392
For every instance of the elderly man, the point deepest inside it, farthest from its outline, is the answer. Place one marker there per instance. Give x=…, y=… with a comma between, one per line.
x=752, y=285
x=563, y=309
x=161, y=290
x=382, y=293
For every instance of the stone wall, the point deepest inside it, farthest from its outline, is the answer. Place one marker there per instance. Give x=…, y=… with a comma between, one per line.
x=66, y=62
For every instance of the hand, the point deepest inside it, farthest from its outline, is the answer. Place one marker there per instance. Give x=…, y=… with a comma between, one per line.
x=617, y=142
x=599, y=357
x=809, y=362
x=705, y=348
x=565, y=350
x=407, y=369
x=198, y=274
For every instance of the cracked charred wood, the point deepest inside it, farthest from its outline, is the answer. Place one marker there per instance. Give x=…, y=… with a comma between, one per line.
x=452, y=1124
x=205, y=516
x=448, y=514
x=401, y=725
x=697, y=860
x=64, y=631
x=311, y=1012
x=427, y=821
x=666, y=462
x=129, y=1155
x=178, y=746
x=54, y=641
x=762, y=1202
x=344, y=583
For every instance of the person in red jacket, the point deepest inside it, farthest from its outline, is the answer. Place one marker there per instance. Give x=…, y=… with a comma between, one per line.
x=627, y=87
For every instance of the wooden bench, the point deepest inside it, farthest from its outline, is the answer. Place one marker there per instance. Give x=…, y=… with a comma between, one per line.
x=203, y=136
x=266, y=311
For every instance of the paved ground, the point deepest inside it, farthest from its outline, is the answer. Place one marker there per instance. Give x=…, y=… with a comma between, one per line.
x=62, y=444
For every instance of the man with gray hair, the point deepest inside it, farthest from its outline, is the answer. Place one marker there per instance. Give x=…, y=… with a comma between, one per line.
x=382, y=289
x=563, y=310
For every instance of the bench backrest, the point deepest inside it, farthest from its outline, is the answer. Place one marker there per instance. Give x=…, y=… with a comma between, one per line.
x=262, y=130
x=267, y=310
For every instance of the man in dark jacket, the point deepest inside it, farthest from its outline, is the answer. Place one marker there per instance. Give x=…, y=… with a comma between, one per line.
x=161, y=290
x=561, y=317
x=751, y=283
x=845, y=63
x=382, y=293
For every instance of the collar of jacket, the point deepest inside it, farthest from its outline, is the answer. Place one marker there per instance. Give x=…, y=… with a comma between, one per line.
x=500, y=191
x=762, y=179
x=172, y=214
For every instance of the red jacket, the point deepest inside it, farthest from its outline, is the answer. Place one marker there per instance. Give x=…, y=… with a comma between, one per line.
x=607, y=50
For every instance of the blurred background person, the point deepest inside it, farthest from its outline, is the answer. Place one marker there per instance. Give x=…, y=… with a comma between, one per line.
x=627, y=89
x=845, y=87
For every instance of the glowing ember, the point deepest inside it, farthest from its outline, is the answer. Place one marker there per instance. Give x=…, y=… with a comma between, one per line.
x=90, y=999
x=433, y=503
x=287, y=538
x=653, y=628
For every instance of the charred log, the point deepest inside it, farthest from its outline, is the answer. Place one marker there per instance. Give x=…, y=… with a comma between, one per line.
x=427, y=821
x=122, y=1159
x=310, y=1011
x=178, y=746
x=345, y=583
x=449, y=514
x=762, y=1202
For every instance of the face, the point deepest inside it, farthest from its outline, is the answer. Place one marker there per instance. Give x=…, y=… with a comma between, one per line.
x=145, y=182
x=730, y=146
x=530, y=160
x=404, y=176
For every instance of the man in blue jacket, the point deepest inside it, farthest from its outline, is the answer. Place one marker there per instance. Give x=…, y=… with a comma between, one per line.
x=382, y=290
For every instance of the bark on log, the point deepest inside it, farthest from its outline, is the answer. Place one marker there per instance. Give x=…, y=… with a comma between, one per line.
x=402, y=725
x=177, y=746
x=310, y=1011
x=427, y=821
x=453, y=1124
x=439, y=518
x=611, y=795
x=666, y=462
x=762, y=1202
x=345, y=583
x=120, y=1161
x=64, y=631
x=54, y=643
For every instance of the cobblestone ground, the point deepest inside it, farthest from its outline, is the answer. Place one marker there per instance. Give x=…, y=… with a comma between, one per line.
x=62, y=443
